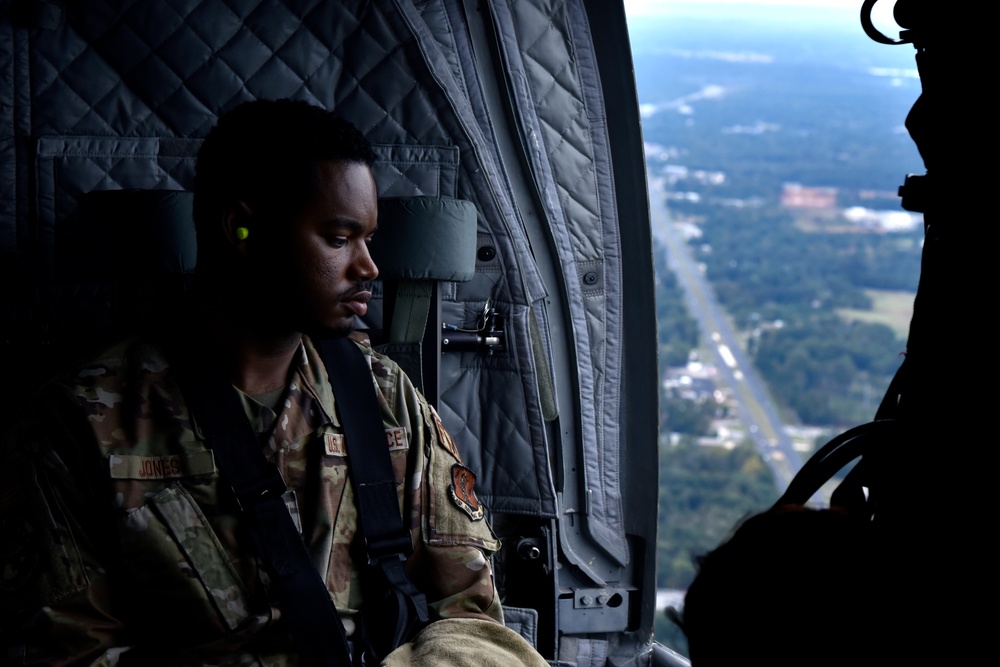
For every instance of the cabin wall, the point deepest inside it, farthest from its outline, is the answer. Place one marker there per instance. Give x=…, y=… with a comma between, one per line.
x=497, y=102
x=118, y=95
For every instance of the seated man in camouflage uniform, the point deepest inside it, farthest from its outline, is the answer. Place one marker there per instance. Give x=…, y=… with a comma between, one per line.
x=122, y=543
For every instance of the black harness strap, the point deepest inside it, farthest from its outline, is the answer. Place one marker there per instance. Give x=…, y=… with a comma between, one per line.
x=401, y=610
x=302, y=593
x=387, y=542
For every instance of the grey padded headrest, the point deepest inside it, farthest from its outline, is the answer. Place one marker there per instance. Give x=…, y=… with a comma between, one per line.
x=425, y=238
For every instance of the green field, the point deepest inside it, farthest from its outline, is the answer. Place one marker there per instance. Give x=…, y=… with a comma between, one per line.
x=892, y=308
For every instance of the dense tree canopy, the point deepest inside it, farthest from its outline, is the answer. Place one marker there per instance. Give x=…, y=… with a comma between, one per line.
x=783, y=285
x=678, y=331
x=704, y=491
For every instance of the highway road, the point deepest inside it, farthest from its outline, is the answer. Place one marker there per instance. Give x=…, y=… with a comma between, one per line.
x=753, y=402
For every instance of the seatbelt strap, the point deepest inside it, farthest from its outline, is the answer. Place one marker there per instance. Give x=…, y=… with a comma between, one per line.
x=387, y=542
x=302, y=593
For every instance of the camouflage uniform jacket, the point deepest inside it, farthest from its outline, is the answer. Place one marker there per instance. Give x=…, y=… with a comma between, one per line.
x=121, y=545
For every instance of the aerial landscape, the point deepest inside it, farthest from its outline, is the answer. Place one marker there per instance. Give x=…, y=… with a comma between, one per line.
x=775, y=144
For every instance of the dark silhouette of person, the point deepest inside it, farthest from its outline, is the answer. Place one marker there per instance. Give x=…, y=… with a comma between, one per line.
x=791, y=586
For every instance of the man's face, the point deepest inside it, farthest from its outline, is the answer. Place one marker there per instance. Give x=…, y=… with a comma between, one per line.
x=323, y=268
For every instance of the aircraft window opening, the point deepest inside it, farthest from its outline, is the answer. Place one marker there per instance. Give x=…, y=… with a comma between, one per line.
x=774, y=148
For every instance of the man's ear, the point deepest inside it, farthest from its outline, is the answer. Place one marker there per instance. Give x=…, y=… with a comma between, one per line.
x=237, y=224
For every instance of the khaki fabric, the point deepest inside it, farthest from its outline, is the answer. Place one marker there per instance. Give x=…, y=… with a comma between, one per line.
x=466, y=642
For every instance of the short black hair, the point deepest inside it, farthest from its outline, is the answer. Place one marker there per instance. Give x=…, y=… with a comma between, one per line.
x=265, y=154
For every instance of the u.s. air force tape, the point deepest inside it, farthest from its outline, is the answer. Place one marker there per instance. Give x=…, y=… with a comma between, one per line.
x=396, y=438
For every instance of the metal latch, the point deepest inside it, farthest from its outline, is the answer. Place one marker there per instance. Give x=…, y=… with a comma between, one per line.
x=488, y=334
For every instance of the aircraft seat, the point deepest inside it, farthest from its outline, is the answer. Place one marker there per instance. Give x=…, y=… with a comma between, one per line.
x=421, y=242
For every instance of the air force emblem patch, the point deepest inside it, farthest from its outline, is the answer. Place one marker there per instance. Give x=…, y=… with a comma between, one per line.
x=462, y=494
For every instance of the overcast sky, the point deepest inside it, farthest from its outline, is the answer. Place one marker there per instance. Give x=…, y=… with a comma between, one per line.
x=652, y=6
x=881, y=12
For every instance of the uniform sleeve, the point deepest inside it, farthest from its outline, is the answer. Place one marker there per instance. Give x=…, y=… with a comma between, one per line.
x=55, y=602
x=457, y=539
x=454, y=570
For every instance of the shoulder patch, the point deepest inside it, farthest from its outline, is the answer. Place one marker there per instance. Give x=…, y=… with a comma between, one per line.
x=462, y=493
x=443, y=437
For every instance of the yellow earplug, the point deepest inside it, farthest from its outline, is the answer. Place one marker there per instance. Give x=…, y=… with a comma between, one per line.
x=242, y=233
